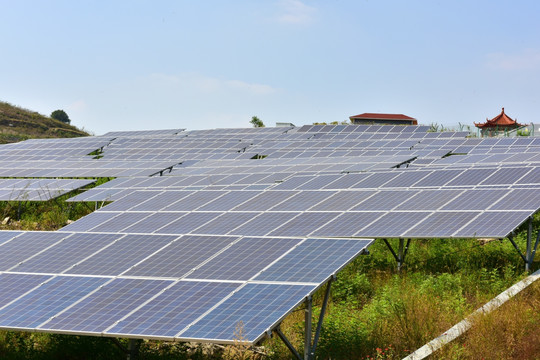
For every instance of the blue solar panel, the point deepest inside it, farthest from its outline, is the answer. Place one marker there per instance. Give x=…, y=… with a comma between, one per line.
x=393, y=224
x=67, y=253
x=121, y=255
x=25, y=246
x=181, y=256
x=187, y=223
x=303, y=224
x=226, y=222
x=244, y=259
x=255, y=308
x=347, y=224
x=441, y=224
x=47, y=300
x=264, y=223
x=106, y=306
x=384, y=200
x=489, y=224
x=314, y=260
x=174, y=309
x=8, y=235
x=14, y=285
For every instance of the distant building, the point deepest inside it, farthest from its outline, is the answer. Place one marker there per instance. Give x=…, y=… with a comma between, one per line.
x=382, y=119
x=499, y=124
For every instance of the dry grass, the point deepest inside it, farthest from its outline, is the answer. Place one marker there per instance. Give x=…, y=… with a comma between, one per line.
x=509, y=333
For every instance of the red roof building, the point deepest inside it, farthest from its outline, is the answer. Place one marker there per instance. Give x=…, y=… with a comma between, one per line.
x=501, y=122
x=382, y=119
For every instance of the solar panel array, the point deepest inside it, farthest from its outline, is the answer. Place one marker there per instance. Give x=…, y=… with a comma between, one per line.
x=160, y=286
x=244, y=223
x=38, y=189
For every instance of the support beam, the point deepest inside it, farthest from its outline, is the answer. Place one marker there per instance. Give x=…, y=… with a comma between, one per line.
x=321, y=317
x=288, y=344
x=402, y=252
x=528, y=251
x=307, y=330
x=309, y=345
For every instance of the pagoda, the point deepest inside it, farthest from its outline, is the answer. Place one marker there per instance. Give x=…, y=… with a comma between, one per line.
x=500, y=123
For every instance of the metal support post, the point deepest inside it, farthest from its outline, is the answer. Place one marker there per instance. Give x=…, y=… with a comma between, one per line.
x=133, y=349
x=321, y=317
x=528, y=251
x=288, y=344
x=402, y=252
x=307, y=335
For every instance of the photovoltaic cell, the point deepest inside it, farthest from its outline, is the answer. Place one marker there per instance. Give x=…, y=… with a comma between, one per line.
x=302, y=201
x=121, y=255
x=188, y=223
x=314, y=260
x=506, y=176
x=229, y=201
x=519, y=199
x=392, y=224
x=181, y=256
x=8, y=235
x=67, y=253
x=303, y=224
x=153, y=222
x=489, y=224
x=161, y=201
x=476, y=199
x=25, y=246
x=265, y=200
x=14, y=285
x=226, y=222
x=174, y=309
x=384, y=200
x=244, y=259
x=441, y=224
x=471, y=177
x=123, y=220
x=429, y=200
x=267, y=301
x=438, y=178
x=107, y=305
x=347, y=224
x=195, y=200
x=264, y=223
x=89, y=221
x=47, y=300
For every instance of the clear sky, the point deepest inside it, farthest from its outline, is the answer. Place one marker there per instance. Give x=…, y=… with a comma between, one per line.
x=133, y=65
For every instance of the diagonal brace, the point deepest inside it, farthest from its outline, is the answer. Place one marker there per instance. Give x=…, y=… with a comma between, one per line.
x=511, y=238
x=288, y=343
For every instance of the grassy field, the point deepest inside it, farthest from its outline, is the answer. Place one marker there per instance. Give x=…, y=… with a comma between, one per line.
x=374, y=312
x=17, y=124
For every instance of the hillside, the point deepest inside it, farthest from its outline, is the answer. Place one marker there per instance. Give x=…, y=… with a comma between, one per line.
x=18, y=124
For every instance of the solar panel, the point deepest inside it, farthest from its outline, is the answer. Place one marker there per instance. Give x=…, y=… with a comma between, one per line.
x=121, y=256
x=25, y=246
x=489, y=224
x=47, y=300
x=392, y=224
x=244, y=259
x=174, y=309
x=268, y=301
x=181, y=256
x=441, y=224
x=314, y=260
x=264, y=223
x=303, y=224
x=14, y=285
x=104, y=307
x=67, y=253
x=384, y=200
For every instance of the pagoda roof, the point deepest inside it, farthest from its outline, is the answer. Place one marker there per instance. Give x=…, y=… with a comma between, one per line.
x=501, y=120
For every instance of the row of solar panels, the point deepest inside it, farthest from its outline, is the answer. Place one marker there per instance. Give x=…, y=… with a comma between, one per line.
x=37, y=189
x=171, y=287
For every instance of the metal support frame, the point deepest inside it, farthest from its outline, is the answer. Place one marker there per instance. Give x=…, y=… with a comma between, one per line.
x=530, y=250
x=402, y=252
x=309, y=345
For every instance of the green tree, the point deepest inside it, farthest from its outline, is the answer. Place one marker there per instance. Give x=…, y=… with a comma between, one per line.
x=61, y=115
x=256, y=122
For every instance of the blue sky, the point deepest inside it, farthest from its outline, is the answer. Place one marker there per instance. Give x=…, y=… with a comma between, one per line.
x=132, y=65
